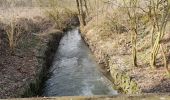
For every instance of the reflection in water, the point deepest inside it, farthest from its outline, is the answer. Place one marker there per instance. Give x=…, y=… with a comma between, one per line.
x=74, y=71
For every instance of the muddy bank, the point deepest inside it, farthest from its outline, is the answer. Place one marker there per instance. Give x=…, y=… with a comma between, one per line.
x=45, y=57
x=22, y=71
x=123, y=82
x=19, y=66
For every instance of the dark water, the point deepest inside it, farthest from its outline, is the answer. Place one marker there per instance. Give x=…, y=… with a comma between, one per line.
x=75, y=72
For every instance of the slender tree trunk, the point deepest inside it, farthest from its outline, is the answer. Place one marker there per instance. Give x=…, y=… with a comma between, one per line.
x=81, y=12
x=164, y=53
x=152, y=36
x=134, y=51
x=132, y=7
x=83, y=15
x=152, y=61
x=78, y=6
x=155, y=50
x=86, y=8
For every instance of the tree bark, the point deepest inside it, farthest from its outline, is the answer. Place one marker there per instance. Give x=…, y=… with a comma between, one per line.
x=134, y=51
x=164, y=53
x=81, y=12
x=86, y=8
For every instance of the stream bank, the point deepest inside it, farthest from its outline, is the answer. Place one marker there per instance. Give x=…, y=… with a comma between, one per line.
x=110, y=64
x=22, y=72
x=45, y=58
x=113, y=50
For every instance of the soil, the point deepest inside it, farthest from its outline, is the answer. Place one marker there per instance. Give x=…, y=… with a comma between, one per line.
x=152, y=81
x=18, y=67
x=15, y=72
x=115, y=51
x=21, y=66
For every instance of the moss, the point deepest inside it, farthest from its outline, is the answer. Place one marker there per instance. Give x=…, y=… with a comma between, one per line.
x=124, y=83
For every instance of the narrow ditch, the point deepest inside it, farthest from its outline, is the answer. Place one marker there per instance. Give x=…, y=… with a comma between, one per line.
x=73, y=70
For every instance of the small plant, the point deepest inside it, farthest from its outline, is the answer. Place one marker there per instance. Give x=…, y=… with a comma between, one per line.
x=13, y=33
x=60, y=15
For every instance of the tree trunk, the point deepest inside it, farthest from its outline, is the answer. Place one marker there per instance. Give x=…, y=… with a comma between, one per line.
x=134, y=51
x=164, y=53
x=86, y=8
x=155, y=50
x=81, y=12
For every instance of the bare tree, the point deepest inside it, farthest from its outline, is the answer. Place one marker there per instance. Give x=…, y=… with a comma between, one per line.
x=161, y=13
x=86, y=7
x=81, y=12
x=131, y=11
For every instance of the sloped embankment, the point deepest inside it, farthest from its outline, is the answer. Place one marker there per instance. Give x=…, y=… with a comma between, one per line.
x=111, y=44
x=22, y=71
x=111, y=64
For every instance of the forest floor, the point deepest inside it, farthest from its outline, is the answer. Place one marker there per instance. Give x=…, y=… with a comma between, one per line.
x=114, y=50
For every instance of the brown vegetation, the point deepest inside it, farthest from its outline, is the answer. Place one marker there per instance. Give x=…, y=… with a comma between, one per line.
x=126, y=33
x=24, y=34
x=121, y=33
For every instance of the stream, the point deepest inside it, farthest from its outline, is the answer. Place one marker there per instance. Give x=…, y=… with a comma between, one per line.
x=74, y=71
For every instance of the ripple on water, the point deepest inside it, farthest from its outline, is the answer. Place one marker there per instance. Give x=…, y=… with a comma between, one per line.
x=74, y=71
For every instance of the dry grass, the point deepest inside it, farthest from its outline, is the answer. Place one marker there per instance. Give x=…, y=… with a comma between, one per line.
x=27, y=29
x=107, y=33
x=36, y=15
x=112, y=25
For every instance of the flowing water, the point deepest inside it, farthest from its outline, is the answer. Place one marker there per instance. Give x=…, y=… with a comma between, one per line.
x=74, y=71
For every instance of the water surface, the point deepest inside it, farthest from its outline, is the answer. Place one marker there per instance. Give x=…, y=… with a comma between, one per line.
x=74, y=71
